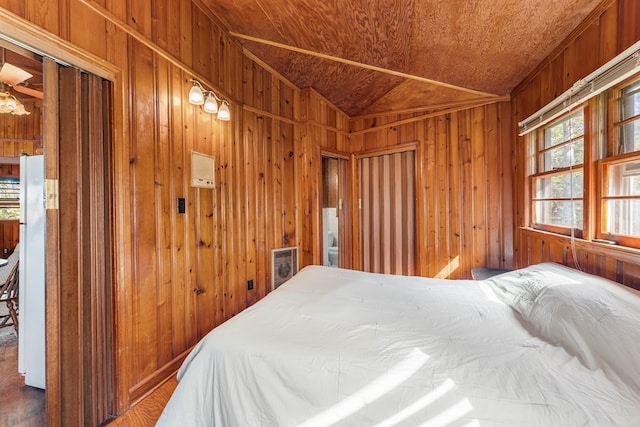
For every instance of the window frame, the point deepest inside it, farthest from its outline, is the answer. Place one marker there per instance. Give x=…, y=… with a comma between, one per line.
x=610, y=158
x=10, y=203
x=536, y=153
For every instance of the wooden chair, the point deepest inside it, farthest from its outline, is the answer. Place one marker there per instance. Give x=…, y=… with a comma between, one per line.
x=9, y=290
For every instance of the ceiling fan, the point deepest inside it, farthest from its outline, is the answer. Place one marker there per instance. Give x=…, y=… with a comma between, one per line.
x=16, y=78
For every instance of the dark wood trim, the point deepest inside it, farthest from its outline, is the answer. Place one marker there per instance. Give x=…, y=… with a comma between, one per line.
x=50, y=116
x=336, y=154
x=147, y=386
x=400, y=148
x=71, y=347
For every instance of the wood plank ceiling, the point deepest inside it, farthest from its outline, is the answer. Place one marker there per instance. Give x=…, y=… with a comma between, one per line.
x=431, y=52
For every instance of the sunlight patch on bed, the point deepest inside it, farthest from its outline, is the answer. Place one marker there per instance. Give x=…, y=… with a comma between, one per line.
x=421, y=403
x=374, y=390
x=450, y=415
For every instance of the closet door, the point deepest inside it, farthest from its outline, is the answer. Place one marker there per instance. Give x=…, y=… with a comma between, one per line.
x=387, y=213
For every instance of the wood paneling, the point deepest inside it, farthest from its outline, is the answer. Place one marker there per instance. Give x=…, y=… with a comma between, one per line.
x=323, y=127
x=463, y=185
x=605, y=33
x=486, y=46
x=176, y=275
x=179, y=275
x=614, y=263
x=9, y=236
x=20, y=135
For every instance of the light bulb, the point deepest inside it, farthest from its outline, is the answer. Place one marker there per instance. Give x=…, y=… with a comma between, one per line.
x=210, y=104
x=196, y=96
x=224, y=113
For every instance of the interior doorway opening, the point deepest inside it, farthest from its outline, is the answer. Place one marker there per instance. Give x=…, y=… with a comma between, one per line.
x=334, y=211
x=23, y=233
x=74, y=137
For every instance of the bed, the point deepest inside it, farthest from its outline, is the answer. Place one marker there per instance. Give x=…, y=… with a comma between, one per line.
x=542, y=346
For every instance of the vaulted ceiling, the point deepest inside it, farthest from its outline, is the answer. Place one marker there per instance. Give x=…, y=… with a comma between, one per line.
x=368, y=56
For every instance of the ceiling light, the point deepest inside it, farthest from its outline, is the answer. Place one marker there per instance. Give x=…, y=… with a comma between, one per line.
x=12, y=103
x=9, y=104
x=20, y=111
x=224, y=113
x=210, y=102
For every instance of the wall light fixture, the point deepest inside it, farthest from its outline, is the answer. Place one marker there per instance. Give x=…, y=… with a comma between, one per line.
x=210, y=102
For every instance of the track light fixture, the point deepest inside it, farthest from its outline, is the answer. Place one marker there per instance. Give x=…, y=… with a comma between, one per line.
x=198, y=95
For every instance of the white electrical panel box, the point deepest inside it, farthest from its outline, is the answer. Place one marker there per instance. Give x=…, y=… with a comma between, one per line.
x=202, y=170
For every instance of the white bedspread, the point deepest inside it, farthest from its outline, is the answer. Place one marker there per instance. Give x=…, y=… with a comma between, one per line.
x=346, y=348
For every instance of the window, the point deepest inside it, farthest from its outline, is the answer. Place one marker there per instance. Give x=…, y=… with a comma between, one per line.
x=620, y=168
x=9, y=198
x=557, y=176
x=583, y=156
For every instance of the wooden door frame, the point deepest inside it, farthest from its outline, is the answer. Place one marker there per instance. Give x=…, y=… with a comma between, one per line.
x=345, y=218
x=16, y=29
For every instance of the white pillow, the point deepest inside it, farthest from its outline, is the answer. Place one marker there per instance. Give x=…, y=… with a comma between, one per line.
x=594, y=319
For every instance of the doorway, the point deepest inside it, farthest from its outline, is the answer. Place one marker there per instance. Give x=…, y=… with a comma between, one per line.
x=334, y=212
x=22, y=233
x=76, y=142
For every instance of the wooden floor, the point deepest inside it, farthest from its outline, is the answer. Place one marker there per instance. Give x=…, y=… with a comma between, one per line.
x=24, y=406
x=20, y=405
x=147, y=412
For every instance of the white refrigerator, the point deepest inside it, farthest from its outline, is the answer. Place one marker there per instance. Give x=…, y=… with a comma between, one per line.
x=31, y=314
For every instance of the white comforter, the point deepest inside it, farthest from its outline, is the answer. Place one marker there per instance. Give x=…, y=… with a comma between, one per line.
x=346, y=348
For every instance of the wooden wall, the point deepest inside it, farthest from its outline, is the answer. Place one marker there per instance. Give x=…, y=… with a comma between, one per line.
x=9, y=236
x=609, y=30
x=323, y=129
x=20, y=135
x=463, y=184
x=179, y=275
